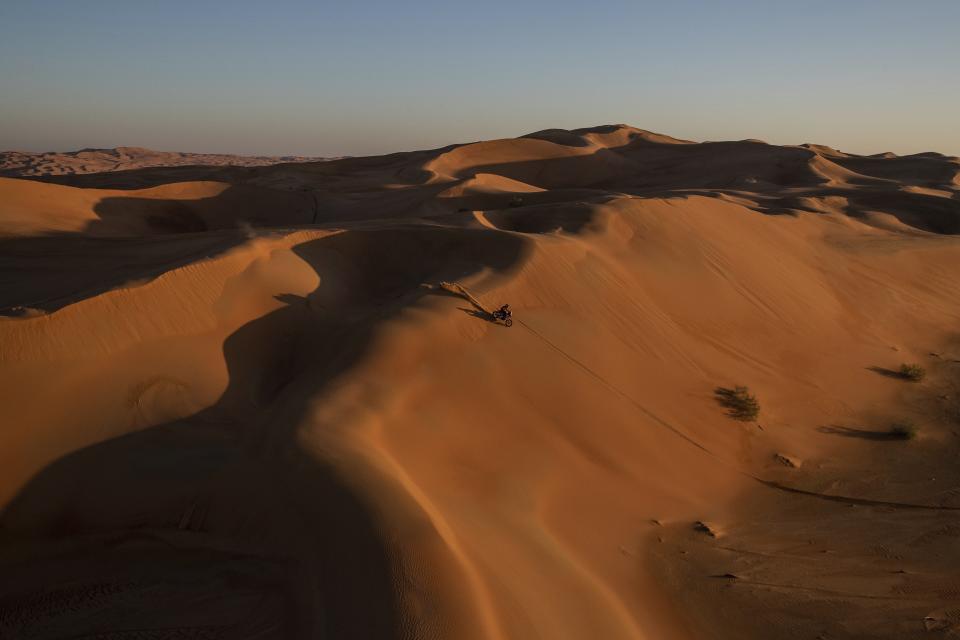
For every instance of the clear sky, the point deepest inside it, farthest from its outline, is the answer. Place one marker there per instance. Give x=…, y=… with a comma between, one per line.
x=373, y=76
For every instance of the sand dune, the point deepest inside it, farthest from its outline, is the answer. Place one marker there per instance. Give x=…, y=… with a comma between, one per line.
x=241, y=406
x=28, y=208
x=25, y=163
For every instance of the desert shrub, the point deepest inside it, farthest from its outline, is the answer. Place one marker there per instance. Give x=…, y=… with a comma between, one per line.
x=903, y=430
x=912, y=372
x=740, y=403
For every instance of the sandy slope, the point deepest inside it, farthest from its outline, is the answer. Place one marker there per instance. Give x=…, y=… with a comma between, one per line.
x=242, y=408
x=29, y=208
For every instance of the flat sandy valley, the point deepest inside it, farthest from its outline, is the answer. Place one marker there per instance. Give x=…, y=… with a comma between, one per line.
x=239, y=402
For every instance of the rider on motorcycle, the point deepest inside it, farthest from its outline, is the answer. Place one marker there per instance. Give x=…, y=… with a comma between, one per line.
x=503, y=312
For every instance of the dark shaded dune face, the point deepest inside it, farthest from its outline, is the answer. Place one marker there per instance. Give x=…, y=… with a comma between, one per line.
x=493, y=203
x=916, y=170
x=744, y=166
x=232, y=207
x=559, y=136
x=404, y=168
x=537, y=219
x=364, y=268
x=563, y=170
x=86, y=266
x=597, y=169
x=925, y=212
x=181, y=532
x=166, y=218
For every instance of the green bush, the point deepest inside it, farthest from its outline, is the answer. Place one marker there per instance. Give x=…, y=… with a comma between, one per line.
x=912, y=372
x=740, y=403
x=903, y=430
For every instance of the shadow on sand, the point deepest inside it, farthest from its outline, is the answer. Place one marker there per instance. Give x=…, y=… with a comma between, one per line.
x=221, y=525
x=477, y=313
x=134, y=239
x=888, y=373
x=863, y=434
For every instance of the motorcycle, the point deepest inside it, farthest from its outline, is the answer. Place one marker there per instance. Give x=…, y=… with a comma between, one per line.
x=503, y=316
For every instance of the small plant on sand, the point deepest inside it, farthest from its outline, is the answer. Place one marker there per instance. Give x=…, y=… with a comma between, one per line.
x=912, y=372
x=740, y=403
x=903, y=430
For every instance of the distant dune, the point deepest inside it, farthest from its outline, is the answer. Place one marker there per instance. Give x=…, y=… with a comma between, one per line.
x=19, y=164
x=251, y=402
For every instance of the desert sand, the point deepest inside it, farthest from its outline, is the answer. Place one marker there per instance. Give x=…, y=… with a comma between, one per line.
x=52, y=163
x=238, y=403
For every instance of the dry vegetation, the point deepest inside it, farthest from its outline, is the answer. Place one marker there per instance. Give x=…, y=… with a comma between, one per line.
x=904, y=430
x=740, y=403
x=912, y=372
